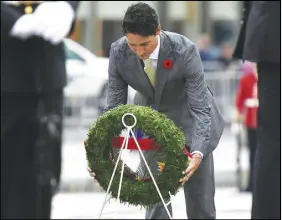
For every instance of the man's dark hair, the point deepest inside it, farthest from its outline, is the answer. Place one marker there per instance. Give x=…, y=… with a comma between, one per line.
x=141, y=19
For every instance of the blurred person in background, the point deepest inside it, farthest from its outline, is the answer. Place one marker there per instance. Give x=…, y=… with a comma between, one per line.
x=246, y=106
x=178, y=89
x=33, y=76
x=260, y=42
x=225, y=57
x=206, y=51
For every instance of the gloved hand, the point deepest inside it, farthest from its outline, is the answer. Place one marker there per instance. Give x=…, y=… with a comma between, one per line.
x=24, y=27
x=54, y=20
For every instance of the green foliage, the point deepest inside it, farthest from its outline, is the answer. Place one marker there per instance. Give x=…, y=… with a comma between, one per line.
x=165, y=134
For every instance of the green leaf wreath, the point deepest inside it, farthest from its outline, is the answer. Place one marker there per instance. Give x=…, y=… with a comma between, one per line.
x=154, y=124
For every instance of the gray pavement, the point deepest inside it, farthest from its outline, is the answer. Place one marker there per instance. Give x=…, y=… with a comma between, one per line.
x=76, y=178
x=229, y=205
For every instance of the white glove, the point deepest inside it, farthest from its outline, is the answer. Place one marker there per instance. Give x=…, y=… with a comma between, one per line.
x=24, y=27
x=55, y=20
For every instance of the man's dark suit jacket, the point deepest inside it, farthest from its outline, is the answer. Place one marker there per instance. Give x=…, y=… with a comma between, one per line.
x=260, y=39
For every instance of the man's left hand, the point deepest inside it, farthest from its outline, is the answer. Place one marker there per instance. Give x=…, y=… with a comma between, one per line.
x=55, y=20
x=193, y=166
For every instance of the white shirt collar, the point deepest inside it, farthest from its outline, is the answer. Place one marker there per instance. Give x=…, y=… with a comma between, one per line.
x=155, y=53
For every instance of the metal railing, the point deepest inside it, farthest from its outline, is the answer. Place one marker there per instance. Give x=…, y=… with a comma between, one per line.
x=223, y=84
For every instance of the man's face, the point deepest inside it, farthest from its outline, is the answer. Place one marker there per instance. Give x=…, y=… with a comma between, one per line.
x=143, y=47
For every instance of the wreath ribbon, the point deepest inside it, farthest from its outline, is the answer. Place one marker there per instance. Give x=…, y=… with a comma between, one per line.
x=145, y=144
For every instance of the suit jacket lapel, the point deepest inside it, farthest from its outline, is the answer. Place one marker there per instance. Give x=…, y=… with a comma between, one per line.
x=141, y=75
x=162, y=73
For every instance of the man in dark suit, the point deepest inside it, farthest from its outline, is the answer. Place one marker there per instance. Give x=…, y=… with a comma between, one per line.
x=33, y=76
x=260, y=41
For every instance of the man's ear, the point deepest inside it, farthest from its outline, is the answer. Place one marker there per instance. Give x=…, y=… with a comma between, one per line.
x=158, y=30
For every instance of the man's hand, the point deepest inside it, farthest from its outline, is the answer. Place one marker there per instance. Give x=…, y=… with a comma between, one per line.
x=92, y=174
x=193, y=166
x=55, y=20
x=239, y=117
x=24, y=27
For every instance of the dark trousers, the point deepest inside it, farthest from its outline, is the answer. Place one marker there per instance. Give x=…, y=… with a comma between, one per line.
x=267, y=169
x=23, y=194
x=18, y=175
x=199, y=193
x=48, y=160
x=252, y=143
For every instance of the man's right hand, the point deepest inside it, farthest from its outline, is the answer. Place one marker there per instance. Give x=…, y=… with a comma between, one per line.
x=239, y=117
x=92, y=174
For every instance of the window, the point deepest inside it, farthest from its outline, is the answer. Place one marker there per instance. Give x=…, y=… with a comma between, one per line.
x=110, y=33
x=71, y=55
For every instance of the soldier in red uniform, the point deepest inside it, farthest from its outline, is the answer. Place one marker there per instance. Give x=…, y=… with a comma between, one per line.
x=247, y=106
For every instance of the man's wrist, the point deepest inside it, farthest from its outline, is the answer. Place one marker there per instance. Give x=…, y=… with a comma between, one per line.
x=198, y=152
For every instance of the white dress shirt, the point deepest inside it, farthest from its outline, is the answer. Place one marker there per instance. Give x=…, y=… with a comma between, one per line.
x=154, y=56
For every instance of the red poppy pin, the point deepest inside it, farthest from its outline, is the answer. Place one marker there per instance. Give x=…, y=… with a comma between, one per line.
x=167, y=64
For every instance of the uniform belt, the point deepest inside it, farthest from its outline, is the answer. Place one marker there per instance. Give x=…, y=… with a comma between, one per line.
x=251, y=103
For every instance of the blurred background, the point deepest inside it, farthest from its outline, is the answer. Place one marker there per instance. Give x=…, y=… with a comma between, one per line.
x=214, y=27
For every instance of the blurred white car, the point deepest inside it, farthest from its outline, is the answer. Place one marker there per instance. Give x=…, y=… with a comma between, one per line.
x=86, y=90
